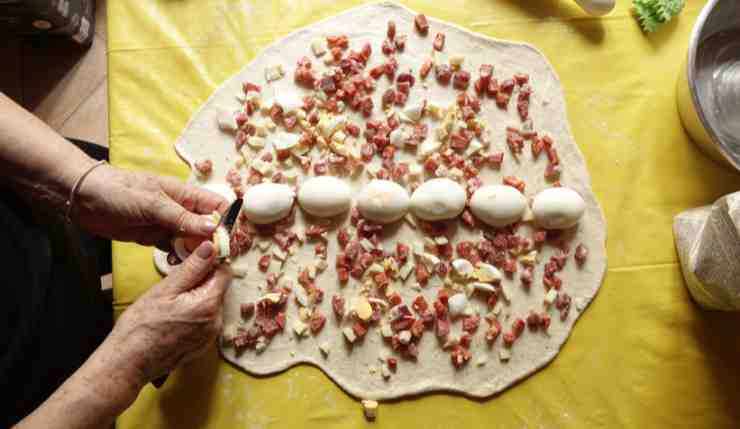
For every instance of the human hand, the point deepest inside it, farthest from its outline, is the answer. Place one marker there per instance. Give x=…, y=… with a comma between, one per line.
x=147, y=209
x=176, y=319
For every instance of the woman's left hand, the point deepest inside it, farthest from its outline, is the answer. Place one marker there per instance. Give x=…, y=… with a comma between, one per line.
x=147, y=209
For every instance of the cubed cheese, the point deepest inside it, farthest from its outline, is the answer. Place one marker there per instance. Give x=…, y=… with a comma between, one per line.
x=370, y=408
x=550, y=297
x=274, y=73
x=318, y=46
x=226, y=120
x=504, y=355
x=456, y=61
x=349, y=334
x=256, y=142
x=362, y=308
x=300, y=328
x=427, y=148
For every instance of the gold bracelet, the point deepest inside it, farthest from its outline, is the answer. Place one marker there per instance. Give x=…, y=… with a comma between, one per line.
x=76, y=188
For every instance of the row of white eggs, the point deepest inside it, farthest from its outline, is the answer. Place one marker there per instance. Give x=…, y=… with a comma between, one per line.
x=384, y=201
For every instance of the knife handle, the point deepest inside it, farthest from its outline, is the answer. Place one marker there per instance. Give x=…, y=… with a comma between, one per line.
x=159, y=382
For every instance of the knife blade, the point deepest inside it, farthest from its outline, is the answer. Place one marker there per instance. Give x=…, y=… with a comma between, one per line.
x=232, y=214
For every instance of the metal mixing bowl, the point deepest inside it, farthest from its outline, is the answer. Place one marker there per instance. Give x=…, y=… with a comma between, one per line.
x=708, y=89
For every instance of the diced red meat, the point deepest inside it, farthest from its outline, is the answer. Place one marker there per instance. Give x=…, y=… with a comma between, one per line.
x=421, y=24
x=340, y=41
x=515, y=183
x=533, y=321
x=470, y=324
x=425, y=68
x=518, y=327
x=509, y=339
x=264, y=263
x=486, y=71
x=248, y=86
x=493, y=331
x=359, y=328
x=442, y=327
x=317, y=321
x=544, y=321
x=367, y=106
x=388, y=47
x=337, y=304
x=443, y=73
x=552, y=172
x=420, y=304
x=402, y=253
x=389, y=96
x=391, y=32
x=460, y=356
x=422, y=275
x=562, y=303
x=581, y=253
x=492, y=88
x=400, y=42
x=461, y=80
x=521, y=78
x=400, y=98
x=246, y=310
x=514, y=140
x=439, y=41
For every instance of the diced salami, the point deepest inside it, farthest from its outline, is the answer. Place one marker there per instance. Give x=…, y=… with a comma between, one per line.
x=425, y=68
x=421, y=24
x=317, y=321
x=337, y=304
x=439, y=41
x=388, y=47
x=443, y=73
x=581, y=253
x=461, y=80
x=442, y=328
x=422, y=275
x=400, y=42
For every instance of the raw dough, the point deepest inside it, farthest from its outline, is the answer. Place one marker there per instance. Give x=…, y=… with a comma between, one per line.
x=353, y=367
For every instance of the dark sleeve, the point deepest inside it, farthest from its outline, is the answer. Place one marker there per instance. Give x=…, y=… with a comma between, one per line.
x=52, y=314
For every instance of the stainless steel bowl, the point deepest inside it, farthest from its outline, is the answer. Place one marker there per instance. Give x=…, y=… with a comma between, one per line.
x=708, y=89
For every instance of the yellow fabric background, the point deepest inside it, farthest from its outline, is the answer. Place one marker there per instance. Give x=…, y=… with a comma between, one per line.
x=643, y=354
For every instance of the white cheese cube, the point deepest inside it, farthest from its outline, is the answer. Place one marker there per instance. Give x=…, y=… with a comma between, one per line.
x=318, y=46
x=349, y=334
x=274, y=73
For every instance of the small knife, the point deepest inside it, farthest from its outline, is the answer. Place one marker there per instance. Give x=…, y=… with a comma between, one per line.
x=227, y=221
x=232, y=214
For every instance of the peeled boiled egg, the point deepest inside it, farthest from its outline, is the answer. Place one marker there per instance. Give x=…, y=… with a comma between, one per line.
x=267, y=202
x=383, y=201
x=438, y=199
x=222, y=189
x=498, y=205
x=324, y=196
x=558, y=208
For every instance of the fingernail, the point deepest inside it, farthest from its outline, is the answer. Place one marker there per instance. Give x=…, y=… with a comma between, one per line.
x=205, y=250
x=209, y=226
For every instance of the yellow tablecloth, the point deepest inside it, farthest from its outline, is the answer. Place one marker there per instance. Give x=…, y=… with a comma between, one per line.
x=643, y=354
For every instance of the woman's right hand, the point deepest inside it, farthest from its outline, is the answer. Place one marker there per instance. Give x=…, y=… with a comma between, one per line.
x=176, y=319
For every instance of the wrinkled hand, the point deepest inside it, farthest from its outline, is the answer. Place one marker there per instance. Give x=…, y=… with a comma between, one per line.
x=176, y=319
x=147, y=209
